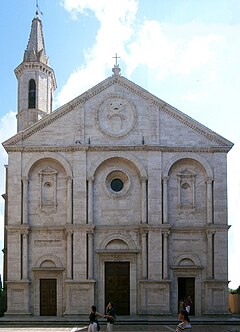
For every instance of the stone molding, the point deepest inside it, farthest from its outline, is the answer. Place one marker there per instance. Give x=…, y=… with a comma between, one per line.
x=52, y=258
x=48, y=155
x=124, y=110
x=35, y=65
x=121, y=155
x=189, y=155
x=122, y=237
x=194, y=258
x=136, y=90
x=101, y=148
x=19, y=228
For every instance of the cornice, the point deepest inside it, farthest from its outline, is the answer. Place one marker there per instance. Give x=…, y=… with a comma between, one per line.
x=216, y=281
x=172, y=111
x=136, y=90
x=21, y=228
x=47, y=120
x=104, y=148
x=35, y=65
x=196, y=229
x=91, y=228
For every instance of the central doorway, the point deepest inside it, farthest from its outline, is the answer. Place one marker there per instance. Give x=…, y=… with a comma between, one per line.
x=48, y=297
x=186, y=287
x=117, y=286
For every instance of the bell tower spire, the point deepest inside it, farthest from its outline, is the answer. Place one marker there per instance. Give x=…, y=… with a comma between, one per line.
x=36, y=80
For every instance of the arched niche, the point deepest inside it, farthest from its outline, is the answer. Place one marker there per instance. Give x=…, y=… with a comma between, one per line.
x=48, y=155
x=116, y=239
x=48, y=261
x=121, y=155
x=188, y=155
x=187, y=260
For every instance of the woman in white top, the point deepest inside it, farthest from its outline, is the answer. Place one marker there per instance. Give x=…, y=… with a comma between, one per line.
x=185, y=322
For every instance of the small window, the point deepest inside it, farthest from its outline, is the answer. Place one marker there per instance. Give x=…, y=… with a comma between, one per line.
x=32, y=94
x=47, y=184
x=117, y=185
x=185, y=185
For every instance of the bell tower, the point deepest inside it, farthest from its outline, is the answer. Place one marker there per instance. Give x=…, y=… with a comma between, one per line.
x=36, y=80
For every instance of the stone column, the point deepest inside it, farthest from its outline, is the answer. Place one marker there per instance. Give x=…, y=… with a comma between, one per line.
x=90, y=200
x=165, y=199
x=144, y=255
x=210, y=254
x=69, y=253
x=90, y=255
x=25, y=255
x=25, y=200
x=165, y=255
x=144, y=199
x=209, y=201
x=69, y=200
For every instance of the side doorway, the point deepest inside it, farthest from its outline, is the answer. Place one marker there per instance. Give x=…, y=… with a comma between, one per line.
x=186, y=287
x=117, y=286
x=48, y=297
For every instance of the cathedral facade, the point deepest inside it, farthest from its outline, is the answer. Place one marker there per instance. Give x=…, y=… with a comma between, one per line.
x=115, y=196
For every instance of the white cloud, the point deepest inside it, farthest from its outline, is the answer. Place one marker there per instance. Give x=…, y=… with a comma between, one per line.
x=192, y=97
x=116, y=28
x=112, y=10
x=167, y=49
x=196, y=52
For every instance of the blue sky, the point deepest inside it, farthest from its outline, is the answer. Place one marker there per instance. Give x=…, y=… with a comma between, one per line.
x=186, y=52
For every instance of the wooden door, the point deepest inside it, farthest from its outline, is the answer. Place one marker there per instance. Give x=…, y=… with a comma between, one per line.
x=117, y=286
x=48, y=297
x=186, y=287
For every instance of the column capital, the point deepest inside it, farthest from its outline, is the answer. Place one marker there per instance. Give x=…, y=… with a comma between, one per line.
x=143, y=179
x=165, y=233
x=90, y=179
x=165, y=178
x=24, y=178
x=25, y=229
x=143, y=229
x=69, y=231
x=210, y=232
x=144, y=233
x=90, y=232
x=90, y=228
x=25, y=235
x=209, y=180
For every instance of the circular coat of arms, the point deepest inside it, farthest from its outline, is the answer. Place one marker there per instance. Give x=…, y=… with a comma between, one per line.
x=116, y=117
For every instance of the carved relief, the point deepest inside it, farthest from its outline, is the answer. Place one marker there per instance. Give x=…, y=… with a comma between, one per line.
x=48, y=190
x=186, y=191
x=116, y=117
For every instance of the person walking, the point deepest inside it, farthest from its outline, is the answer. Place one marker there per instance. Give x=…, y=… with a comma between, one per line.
x=93, y=320
x=181, y=305
x=188, y=304
x=111, y=316
x=184, y=325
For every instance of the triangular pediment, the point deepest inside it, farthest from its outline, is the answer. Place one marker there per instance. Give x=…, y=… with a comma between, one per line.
x=159, y=117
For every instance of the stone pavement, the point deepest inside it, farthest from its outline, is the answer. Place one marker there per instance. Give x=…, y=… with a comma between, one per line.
x=148, y=328
x=230, y=323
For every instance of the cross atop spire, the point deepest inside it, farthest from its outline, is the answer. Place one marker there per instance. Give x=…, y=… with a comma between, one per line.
x=38, y=11
x=116, y=57
x=116, y=69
